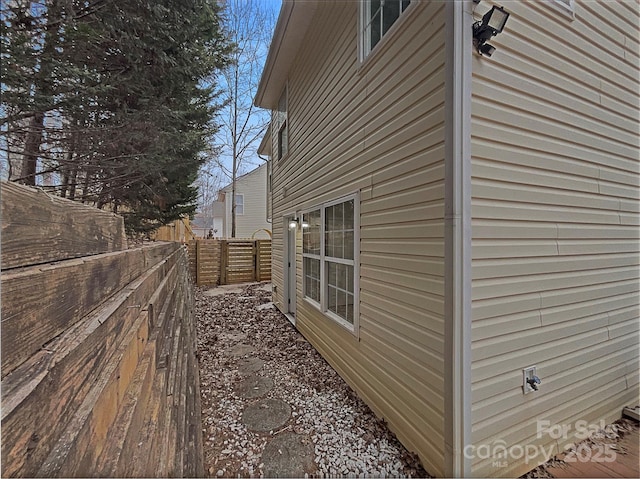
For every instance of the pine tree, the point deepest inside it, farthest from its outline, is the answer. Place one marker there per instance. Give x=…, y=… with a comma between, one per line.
x=118, y=102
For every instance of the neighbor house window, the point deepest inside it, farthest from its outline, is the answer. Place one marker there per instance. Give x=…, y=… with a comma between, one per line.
x=377, y=18
x=329, y=259
x=282, y=125
x=239, y=204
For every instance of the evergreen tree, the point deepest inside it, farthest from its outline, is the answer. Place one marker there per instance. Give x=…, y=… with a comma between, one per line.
x=116, y=99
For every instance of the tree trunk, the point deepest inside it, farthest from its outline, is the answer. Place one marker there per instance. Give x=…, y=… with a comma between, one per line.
x=32, y=149
x=234, y=168
x=41, y=87
x=73, y=178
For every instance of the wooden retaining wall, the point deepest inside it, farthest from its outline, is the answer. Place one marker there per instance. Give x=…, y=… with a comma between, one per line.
x=39, y=228
x=99, y=374
x=231, y=261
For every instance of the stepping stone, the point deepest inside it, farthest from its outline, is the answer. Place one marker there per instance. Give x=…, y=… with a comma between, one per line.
x=222, y=290
x=234, y=336
x=288, y=455
x=239, y=349
x=248, y=366
x=254, y=387
x=265, y=287
x=266, y=415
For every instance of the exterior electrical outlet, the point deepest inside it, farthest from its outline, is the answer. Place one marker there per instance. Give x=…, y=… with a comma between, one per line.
x=529, y=380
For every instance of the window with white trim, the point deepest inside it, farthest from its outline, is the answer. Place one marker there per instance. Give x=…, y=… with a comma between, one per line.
x=568, y=4
x=565, y=6
x=377, y=18
x=329, y=259
x=282, y=125
x=239, y=204
x=311, y=233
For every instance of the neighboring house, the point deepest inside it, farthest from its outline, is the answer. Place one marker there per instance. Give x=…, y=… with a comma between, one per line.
x=251, y=205
x=461, y=218
x=210, y=219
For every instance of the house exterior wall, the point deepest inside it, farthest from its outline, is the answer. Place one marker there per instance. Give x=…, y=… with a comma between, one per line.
x=555, y=225
x=375, y=129
x=253, y=221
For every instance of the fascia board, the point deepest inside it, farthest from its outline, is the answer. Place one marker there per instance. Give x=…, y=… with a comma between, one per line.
x=293, y=21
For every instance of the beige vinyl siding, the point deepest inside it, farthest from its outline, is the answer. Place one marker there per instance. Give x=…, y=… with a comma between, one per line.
x=555, y=223
x=253, y=221
x=376, y=130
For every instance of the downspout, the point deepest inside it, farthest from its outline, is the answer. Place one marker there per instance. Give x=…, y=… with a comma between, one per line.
x=457, y=361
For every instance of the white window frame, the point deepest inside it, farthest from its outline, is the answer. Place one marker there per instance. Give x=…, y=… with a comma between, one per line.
x=323, y=304
x=568, y=7
x=317, y=257
x=282, y=123
x=365, y=42
x=241, y=203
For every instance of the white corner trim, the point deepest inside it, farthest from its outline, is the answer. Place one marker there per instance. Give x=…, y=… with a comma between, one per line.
x=457, y=360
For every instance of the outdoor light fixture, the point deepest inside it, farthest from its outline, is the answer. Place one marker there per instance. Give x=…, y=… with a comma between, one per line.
x=492, y=23
x=293, y=224
x=486, y=49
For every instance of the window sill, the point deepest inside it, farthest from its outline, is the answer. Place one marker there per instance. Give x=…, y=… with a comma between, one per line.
x=332, y=317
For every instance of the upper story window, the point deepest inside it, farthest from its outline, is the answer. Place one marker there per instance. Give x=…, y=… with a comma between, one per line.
x=566, y=6
x=377, y=18
x=239, y=204
x=282, y=126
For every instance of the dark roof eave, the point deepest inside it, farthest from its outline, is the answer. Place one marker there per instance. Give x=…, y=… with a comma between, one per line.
x=293, y=21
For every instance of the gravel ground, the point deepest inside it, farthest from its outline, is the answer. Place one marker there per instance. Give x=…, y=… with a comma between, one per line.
x=348, y=439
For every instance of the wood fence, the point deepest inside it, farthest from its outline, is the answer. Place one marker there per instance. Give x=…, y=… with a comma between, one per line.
x=231, y=261
x=180, y=230
x=99, y=372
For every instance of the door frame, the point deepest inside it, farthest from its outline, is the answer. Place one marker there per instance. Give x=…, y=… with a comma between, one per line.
x=289, y=268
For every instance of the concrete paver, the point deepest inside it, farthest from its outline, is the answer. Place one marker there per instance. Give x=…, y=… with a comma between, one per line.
x=266, y=415
x=288, y=455
x=249, y=365
x=254, y=387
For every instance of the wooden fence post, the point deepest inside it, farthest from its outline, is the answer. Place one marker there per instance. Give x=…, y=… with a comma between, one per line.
x=256, y=260
x=198, y=262
x=224, y=260
x=193, y=261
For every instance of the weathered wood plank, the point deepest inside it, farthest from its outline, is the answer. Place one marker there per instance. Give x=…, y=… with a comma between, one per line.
x=146, y=457
x=136, y=432
x=47, y=390
x=85, y=435
x=66, y=292
x=39, y=228
x=130, y=418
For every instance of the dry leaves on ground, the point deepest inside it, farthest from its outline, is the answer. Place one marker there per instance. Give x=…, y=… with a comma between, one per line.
x=348, y=439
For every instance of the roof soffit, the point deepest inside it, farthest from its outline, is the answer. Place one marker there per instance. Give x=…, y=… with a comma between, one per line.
x=293, y=21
